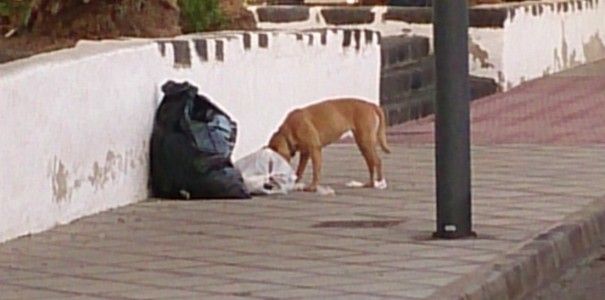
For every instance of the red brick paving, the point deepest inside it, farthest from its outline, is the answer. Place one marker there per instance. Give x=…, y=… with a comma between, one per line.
x=558, y=110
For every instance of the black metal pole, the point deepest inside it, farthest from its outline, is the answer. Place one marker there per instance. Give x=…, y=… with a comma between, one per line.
x=452, y=125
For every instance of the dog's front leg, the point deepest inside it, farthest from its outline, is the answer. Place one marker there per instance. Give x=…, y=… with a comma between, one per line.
x=316, y=162
x=302, y=164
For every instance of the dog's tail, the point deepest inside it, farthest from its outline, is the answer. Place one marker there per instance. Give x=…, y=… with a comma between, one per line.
x=382, y=130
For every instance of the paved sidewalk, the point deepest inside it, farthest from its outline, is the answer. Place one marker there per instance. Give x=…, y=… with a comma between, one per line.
x=536, y=205
x=564, y=109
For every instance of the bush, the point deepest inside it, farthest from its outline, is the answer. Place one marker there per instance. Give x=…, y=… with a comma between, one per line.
x=195, y=15
x=18, y=12
x=201, y=15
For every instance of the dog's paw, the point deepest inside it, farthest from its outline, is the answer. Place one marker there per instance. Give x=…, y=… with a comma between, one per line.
x=381, y=185
x=325, y=191
x=299, y=186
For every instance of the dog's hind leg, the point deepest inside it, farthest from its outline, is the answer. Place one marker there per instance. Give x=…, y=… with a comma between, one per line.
x=367, y=147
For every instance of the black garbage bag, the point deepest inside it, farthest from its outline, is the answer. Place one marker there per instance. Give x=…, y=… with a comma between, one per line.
x=191, y=148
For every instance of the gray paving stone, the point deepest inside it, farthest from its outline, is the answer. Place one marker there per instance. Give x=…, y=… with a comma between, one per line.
x=11, y=292
x=70, y=284
x=269, y=247
x=148, y=293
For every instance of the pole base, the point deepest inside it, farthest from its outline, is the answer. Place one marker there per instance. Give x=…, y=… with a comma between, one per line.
x=450, y=235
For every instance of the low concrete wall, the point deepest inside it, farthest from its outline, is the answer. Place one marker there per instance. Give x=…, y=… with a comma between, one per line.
x=509, y=43
x=76, y=123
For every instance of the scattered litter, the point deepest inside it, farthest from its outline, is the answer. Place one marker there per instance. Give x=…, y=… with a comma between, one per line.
x=265, y=172
x=186, y=195
x=354, y=183
x=10, y=33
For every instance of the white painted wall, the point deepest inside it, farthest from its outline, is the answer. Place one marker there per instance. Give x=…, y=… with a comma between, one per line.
x=553, y=41
x=75, y=124
x=74, y=132
x=528, y=46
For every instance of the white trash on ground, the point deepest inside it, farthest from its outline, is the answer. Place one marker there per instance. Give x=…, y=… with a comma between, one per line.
x=265, y=172
x=354, y=183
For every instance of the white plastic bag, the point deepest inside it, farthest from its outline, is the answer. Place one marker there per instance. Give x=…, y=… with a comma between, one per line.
x=265, y=172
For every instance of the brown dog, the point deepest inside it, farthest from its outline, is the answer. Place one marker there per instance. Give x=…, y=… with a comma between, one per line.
x=309, y=129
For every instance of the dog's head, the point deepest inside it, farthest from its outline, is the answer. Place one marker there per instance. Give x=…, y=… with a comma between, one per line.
x=281, y=144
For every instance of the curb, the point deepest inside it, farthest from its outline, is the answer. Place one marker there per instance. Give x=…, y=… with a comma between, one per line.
x=521, y=272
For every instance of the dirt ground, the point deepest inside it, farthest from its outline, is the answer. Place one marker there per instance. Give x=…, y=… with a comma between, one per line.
x=52, y=28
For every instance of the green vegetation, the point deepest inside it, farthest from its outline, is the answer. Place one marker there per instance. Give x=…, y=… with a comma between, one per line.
x=17, y=11
x=200, y=15
x=196, y=15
